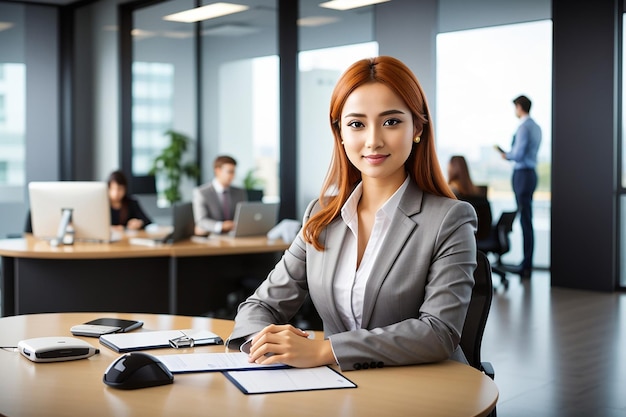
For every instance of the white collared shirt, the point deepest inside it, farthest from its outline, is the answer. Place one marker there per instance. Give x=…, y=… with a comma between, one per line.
x=349, y=282
x=219, y=189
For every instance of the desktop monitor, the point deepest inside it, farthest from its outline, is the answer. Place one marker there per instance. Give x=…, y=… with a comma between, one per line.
x=89, y=201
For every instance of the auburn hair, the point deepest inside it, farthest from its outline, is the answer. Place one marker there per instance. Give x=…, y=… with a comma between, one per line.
x=422, y=164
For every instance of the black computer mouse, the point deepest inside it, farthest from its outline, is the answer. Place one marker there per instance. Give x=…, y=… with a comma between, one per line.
x=137, y=370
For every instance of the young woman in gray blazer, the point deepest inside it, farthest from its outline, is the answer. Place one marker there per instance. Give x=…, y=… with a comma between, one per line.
x=386, y=252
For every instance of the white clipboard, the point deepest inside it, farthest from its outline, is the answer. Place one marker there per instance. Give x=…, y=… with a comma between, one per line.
x=130, y=342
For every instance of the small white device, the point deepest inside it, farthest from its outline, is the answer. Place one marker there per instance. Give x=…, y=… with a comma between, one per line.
x=55, y=349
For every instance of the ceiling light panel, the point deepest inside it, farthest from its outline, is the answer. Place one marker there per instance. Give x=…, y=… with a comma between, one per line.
x=314, y=21
x=5, y=26
x=349, y=4
x=210, y=11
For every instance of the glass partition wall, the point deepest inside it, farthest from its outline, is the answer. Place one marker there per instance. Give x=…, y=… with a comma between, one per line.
x=213, y=80
x=240, y=95
x=326, y=49
x=218, y=80
x=12, y=104
x=621, y=181
x=32, y=144
x=476, y=86
x=163, y=85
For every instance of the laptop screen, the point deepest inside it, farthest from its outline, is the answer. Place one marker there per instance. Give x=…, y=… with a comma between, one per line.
x=254, y=218
x=183, y=222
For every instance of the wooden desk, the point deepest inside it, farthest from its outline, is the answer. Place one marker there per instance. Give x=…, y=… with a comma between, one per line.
x=183, y=278
x=75, y=388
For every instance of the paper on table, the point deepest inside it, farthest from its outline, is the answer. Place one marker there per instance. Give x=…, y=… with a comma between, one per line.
x=208, y=362
x=286, y=380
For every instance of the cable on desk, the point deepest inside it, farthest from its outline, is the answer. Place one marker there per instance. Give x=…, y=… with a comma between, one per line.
x=8, y=348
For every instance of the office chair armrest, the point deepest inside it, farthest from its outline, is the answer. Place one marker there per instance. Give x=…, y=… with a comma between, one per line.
x=488, y=369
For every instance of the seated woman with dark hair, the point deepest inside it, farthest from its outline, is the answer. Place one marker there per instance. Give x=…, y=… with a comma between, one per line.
x=125, y=210
x=459, y=178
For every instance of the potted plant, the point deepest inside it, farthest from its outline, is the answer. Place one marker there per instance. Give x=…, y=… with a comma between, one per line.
x=169, y=167
x=253, y=185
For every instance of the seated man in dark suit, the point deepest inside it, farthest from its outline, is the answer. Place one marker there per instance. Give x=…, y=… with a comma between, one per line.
x=214, y=203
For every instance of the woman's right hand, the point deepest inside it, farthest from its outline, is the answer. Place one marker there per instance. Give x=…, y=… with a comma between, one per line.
x=291, y=346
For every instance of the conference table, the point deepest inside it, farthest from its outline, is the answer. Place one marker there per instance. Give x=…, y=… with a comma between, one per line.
x=187, y=277
x=75, y=388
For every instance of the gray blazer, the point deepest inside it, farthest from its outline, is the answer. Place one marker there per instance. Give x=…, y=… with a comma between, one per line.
x=416, y=297
x=207, y=206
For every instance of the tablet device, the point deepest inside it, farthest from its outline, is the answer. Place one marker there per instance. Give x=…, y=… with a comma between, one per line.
x=98, y=327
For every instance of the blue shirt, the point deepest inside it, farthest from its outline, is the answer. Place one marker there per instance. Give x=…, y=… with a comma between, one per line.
x=525, y=144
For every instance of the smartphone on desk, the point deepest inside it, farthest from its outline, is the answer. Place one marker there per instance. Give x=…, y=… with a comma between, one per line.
x=98, y=327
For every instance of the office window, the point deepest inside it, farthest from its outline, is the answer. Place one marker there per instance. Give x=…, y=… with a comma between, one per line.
x=3, y=108
x=153, y=90
x=479, y=73
x=12, y=128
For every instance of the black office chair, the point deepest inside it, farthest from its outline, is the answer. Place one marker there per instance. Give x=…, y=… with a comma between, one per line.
x=483, y=213
x=498, y=243
x=476, y=318
x=488, y=235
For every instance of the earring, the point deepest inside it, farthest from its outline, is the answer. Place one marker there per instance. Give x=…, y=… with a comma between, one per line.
x=417, y=139
x=342, y=142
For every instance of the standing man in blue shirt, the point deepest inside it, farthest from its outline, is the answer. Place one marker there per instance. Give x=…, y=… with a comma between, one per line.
x=523, y=152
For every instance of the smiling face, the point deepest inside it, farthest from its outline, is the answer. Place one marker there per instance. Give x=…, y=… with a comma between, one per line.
x=377, y=131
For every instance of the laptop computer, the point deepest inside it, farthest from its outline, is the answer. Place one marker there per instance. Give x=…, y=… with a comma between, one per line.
x=183, y=227
x=254, y=218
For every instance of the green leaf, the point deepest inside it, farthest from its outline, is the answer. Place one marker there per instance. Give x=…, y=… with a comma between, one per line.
x=169, y=162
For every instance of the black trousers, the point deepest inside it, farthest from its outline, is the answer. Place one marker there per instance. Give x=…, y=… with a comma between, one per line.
x=524, y=185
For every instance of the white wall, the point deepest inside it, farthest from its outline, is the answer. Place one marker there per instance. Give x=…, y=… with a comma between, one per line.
x=470, y=14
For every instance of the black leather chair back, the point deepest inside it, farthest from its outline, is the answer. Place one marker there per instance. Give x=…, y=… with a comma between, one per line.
x=477, y=312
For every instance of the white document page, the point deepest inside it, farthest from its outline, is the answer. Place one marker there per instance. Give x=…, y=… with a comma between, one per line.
x=206, y=362
x=291, y=379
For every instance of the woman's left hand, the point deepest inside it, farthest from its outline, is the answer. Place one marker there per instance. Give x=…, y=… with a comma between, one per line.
x=134, y=224
x=291, y=346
